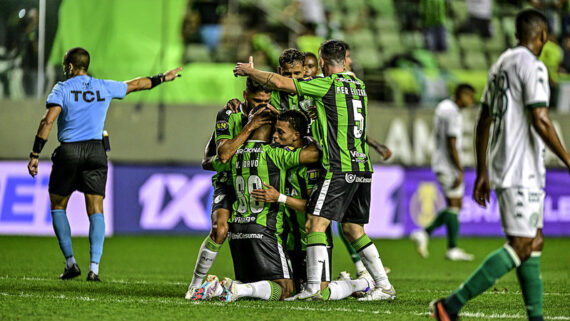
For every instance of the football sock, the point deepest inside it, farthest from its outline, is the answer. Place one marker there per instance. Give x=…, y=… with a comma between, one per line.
x=94, y=267
x=532, y=288
x=441, y=219
x=339, y=290
x=96, y=236
x=69, y=261
x=265, y=290
x=63, y=232
x=452, y=224
x=494, y=267
x=206, y=257
x=317, y=260
x=371, y=259
x=353, y=255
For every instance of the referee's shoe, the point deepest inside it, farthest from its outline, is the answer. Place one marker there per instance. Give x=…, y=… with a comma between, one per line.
x=91, y=276
x=70, y=272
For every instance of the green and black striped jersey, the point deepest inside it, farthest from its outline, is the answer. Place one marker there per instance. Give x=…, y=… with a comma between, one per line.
x=342, y=107
x=253, y=163
x=284, y=101
x=228, y=126
x=299, y=182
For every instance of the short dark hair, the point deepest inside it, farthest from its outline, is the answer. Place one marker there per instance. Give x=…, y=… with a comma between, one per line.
x=291, y=56
x=253, y=87
x=297, y=120
x=529, y=23
x=78, y=57
x=333, y=52
x=463, y=87
x=309, y=54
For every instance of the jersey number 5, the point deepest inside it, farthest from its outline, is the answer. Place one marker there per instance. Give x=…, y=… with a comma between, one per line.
x=358, y=118
x=253, y=183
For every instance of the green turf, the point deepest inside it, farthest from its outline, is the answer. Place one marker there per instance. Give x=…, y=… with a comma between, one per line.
x=146, y=278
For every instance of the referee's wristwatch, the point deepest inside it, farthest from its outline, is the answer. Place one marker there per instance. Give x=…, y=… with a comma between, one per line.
x=33, y=155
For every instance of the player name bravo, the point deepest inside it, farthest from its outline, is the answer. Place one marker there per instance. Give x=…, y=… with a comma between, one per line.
x=350, y=91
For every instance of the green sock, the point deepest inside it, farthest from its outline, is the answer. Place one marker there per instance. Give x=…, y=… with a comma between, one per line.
x=441, y=218
x=494, y=267
x=275, y=291
x=326, y=294
x=355, y=257
x=452, y=224
x=531, y=285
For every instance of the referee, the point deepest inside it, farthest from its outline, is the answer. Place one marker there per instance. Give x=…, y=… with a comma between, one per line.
x=80, y=162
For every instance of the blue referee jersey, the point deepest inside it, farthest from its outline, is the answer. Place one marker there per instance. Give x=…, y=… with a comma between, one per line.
x=84, y=101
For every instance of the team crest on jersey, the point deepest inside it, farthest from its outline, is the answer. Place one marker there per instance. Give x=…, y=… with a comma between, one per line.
x=289, y=148
x=222, y=125
x=313, y=175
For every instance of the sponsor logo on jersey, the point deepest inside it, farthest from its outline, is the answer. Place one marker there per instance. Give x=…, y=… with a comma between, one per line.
x=249, y=150
x=244, y=236
x=222, y=125
x=313, y=175
x=219, y=198
x=290, y=148
x=349, y=178
x=244, y=220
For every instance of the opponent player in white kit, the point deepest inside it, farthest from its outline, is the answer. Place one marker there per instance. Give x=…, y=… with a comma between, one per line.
x=446, y=163
x=515, y=103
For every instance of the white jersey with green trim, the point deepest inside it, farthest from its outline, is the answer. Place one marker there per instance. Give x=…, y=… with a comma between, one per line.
x=447, y=123
x=518, y=82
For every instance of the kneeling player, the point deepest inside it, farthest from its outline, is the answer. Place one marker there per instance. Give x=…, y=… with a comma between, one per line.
x=290, y=130
x=256, y=227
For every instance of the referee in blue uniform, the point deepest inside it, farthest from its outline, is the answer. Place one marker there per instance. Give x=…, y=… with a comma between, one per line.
x=80, y=106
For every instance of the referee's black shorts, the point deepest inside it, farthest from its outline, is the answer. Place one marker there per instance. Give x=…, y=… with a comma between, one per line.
x=80, y=166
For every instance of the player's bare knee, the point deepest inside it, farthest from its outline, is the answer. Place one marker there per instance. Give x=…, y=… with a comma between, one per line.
x=538, y=242
x=522, y=247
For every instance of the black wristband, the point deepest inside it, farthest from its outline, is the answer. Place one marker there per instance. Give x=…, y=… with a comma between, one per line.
x=38, y=145
x=32, y=155
x=156, y=80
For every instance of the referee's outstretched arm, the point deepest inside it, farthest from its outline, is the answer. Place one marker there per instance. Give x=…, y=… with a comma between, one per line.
x=143, y=83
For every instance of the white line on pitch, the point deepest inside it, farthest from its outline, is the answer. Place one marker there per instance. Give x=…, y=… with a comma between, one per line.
x=271, y=307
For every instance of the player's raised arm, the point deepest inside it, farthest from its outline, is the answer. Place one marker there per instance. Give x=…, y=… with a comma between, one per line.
x=544, y=127
x=482, y=191
x=269, y=79
x=41, y=137
x=143, y=83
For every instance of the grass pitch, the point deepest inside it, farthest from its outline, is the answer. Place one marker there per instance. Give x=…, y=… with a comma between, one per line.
x=145, y=277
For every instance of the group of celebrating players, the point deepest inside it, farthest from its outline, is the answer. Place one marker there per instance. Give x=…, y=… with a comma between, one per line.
x=294, y=155
x=289, y=159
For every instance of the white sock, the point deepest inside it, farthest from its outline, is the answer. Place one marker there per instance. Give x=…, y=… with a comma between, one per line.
x=373, y=264
x=94, y=267
x=69, y=261
x=204, y=262
x=360, y=268
x=260, y=290
x=317, y=259
x=343, y=289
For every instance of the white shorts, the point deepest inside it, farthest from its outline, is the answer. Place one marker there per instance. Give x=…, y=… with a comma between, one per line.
x=522, y=211
x=446, y=181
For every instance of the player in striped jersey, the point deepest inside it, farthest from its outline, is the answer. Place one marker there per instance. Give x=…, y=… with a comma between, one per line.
x=256, y=227
x=515, y=106
x=290, y=130
x=343, y=194
x=229, y=133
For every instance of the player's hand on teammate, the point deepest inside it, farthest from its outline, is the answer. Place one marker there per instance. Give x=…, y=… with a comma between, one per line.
x=260, y=117
x=233, y=105
x=269, y=195
x=312, y=111
x=482, y=191
x=242, y=69
x=33, y=166
x=172, y=74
